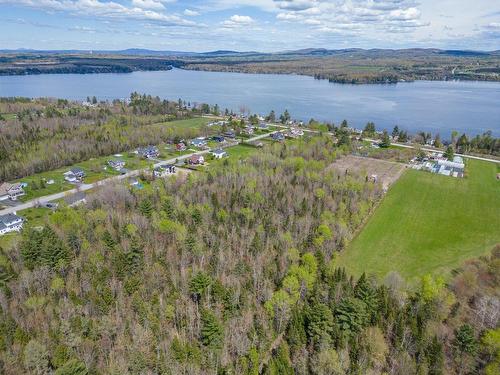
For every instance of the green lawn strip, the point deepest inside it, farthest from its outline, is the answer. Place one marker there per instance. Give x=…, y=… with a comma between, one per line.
x=35, y=217
x=429, y=223
x=196, y=122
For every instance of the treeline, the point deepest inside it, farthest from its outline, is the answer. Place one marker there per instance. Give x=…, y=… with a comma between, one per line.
x=82, y=65
x=233, y=271
x=360, y=67
x=48, y=134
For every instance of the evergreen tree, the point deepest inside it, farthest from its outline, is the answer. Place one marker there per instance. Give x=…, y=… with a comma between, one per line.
x=146, y=207
x=364, y=291
x=351, y=316
x=449, y=153
x=435, y=357
x=53, y=249
x=108, y=240
x=72, y=367
x=395, y=132
x=212, y=332
x=296, y=334
x=31, y=248
x=319, y=324
x=465, y=342
x=135, y=254
x=386, y=141
x=199, y=285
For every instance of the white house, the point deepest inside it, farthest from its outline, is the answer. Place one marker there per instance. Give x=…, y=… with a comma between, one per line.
x=10, y=191
x=10, y=223
x=74, y=175
x=219, y=153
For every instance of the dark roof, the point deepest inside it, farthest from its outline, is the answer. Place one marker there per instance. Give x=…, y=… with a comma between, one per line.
x=77, y=170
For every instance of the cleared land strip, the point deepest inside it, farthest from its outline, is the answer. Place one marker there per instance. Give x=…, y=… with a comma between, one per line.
x=384, y=171
x=86, y=187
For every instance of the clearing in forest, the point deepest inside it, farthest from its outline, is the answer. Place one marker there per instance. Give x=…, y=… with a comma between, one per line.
x=428, y=223
x=386, y=172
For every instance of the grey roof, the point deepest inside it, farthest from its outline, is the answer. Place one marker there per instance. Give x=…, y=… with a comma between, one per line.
x=9, y=218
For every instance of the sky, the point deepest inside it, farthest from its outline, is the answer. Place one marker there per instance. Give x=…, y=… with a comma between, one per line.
x=249, y=25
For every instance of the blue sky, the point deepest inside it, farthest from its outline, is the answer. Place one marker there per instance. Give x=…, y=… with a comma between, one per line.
x=243, y=25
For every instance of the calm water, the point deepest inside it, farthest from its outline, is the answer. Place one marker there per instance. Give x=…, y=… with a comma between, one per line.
x=471, y=107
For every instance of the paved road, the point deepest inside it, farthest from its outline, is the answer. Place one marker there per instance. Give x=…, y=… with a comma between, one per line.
x=85, y=187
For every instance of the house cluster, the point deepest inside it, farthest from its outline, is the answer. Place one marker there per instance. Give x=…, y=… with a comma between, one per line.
x=435, y=162
x=148, y=152
x=10, y=223
x=217, y=123
x=163, y=171
x=74, y=175
x=11, y=191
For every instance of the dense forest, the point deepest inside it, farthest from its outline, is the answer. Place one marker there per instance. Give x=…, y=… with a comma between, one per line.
x=232, y=271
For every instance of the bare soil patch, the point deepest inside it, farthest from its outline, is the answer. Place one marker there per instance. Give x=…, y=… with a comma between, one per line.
x=383, y=171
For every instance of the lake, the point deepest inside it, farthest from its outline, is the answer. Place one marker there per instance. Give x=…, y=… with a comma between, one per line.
x=471, y=107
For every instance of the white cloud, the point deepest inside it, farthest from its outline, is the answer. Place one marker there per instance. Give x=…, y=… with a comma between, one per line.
x=191, y=13
x=148, y=4
x=238, y=21
x=102, y=9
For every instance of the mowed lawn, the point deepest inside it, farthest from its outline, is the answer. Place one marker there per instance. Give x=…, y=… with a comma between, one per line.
x=429, y=223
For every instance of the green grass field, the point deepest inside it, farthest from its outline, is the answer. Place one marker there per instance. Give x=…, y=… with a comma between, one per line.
x=429, y=223
x=196, y=122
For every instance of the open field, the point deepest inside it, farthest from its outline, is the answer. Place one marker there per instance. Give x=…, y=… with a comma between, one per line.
x=387, y=172
x=196, y=123
x=429, y=223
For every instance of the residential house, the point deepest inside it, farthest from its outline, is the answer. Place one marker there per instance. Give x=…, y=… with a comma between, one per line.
x=219, y=153
x=263, y=126
x=149, y=152
x=297, y=132
x=117, y=164
x=10, y=223
x=218, y=138
x=181, y=146
x=75, y=199
x=74, y=175
x=198, y=142
x=248, y=130
x=196, y=160
x=230, y=134
x=164, y=170
x=11, y=191
x=278, y=136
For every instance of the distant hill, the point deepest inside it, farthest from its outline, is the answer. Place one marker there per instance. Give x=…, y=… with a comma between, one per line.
x=301, y=52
